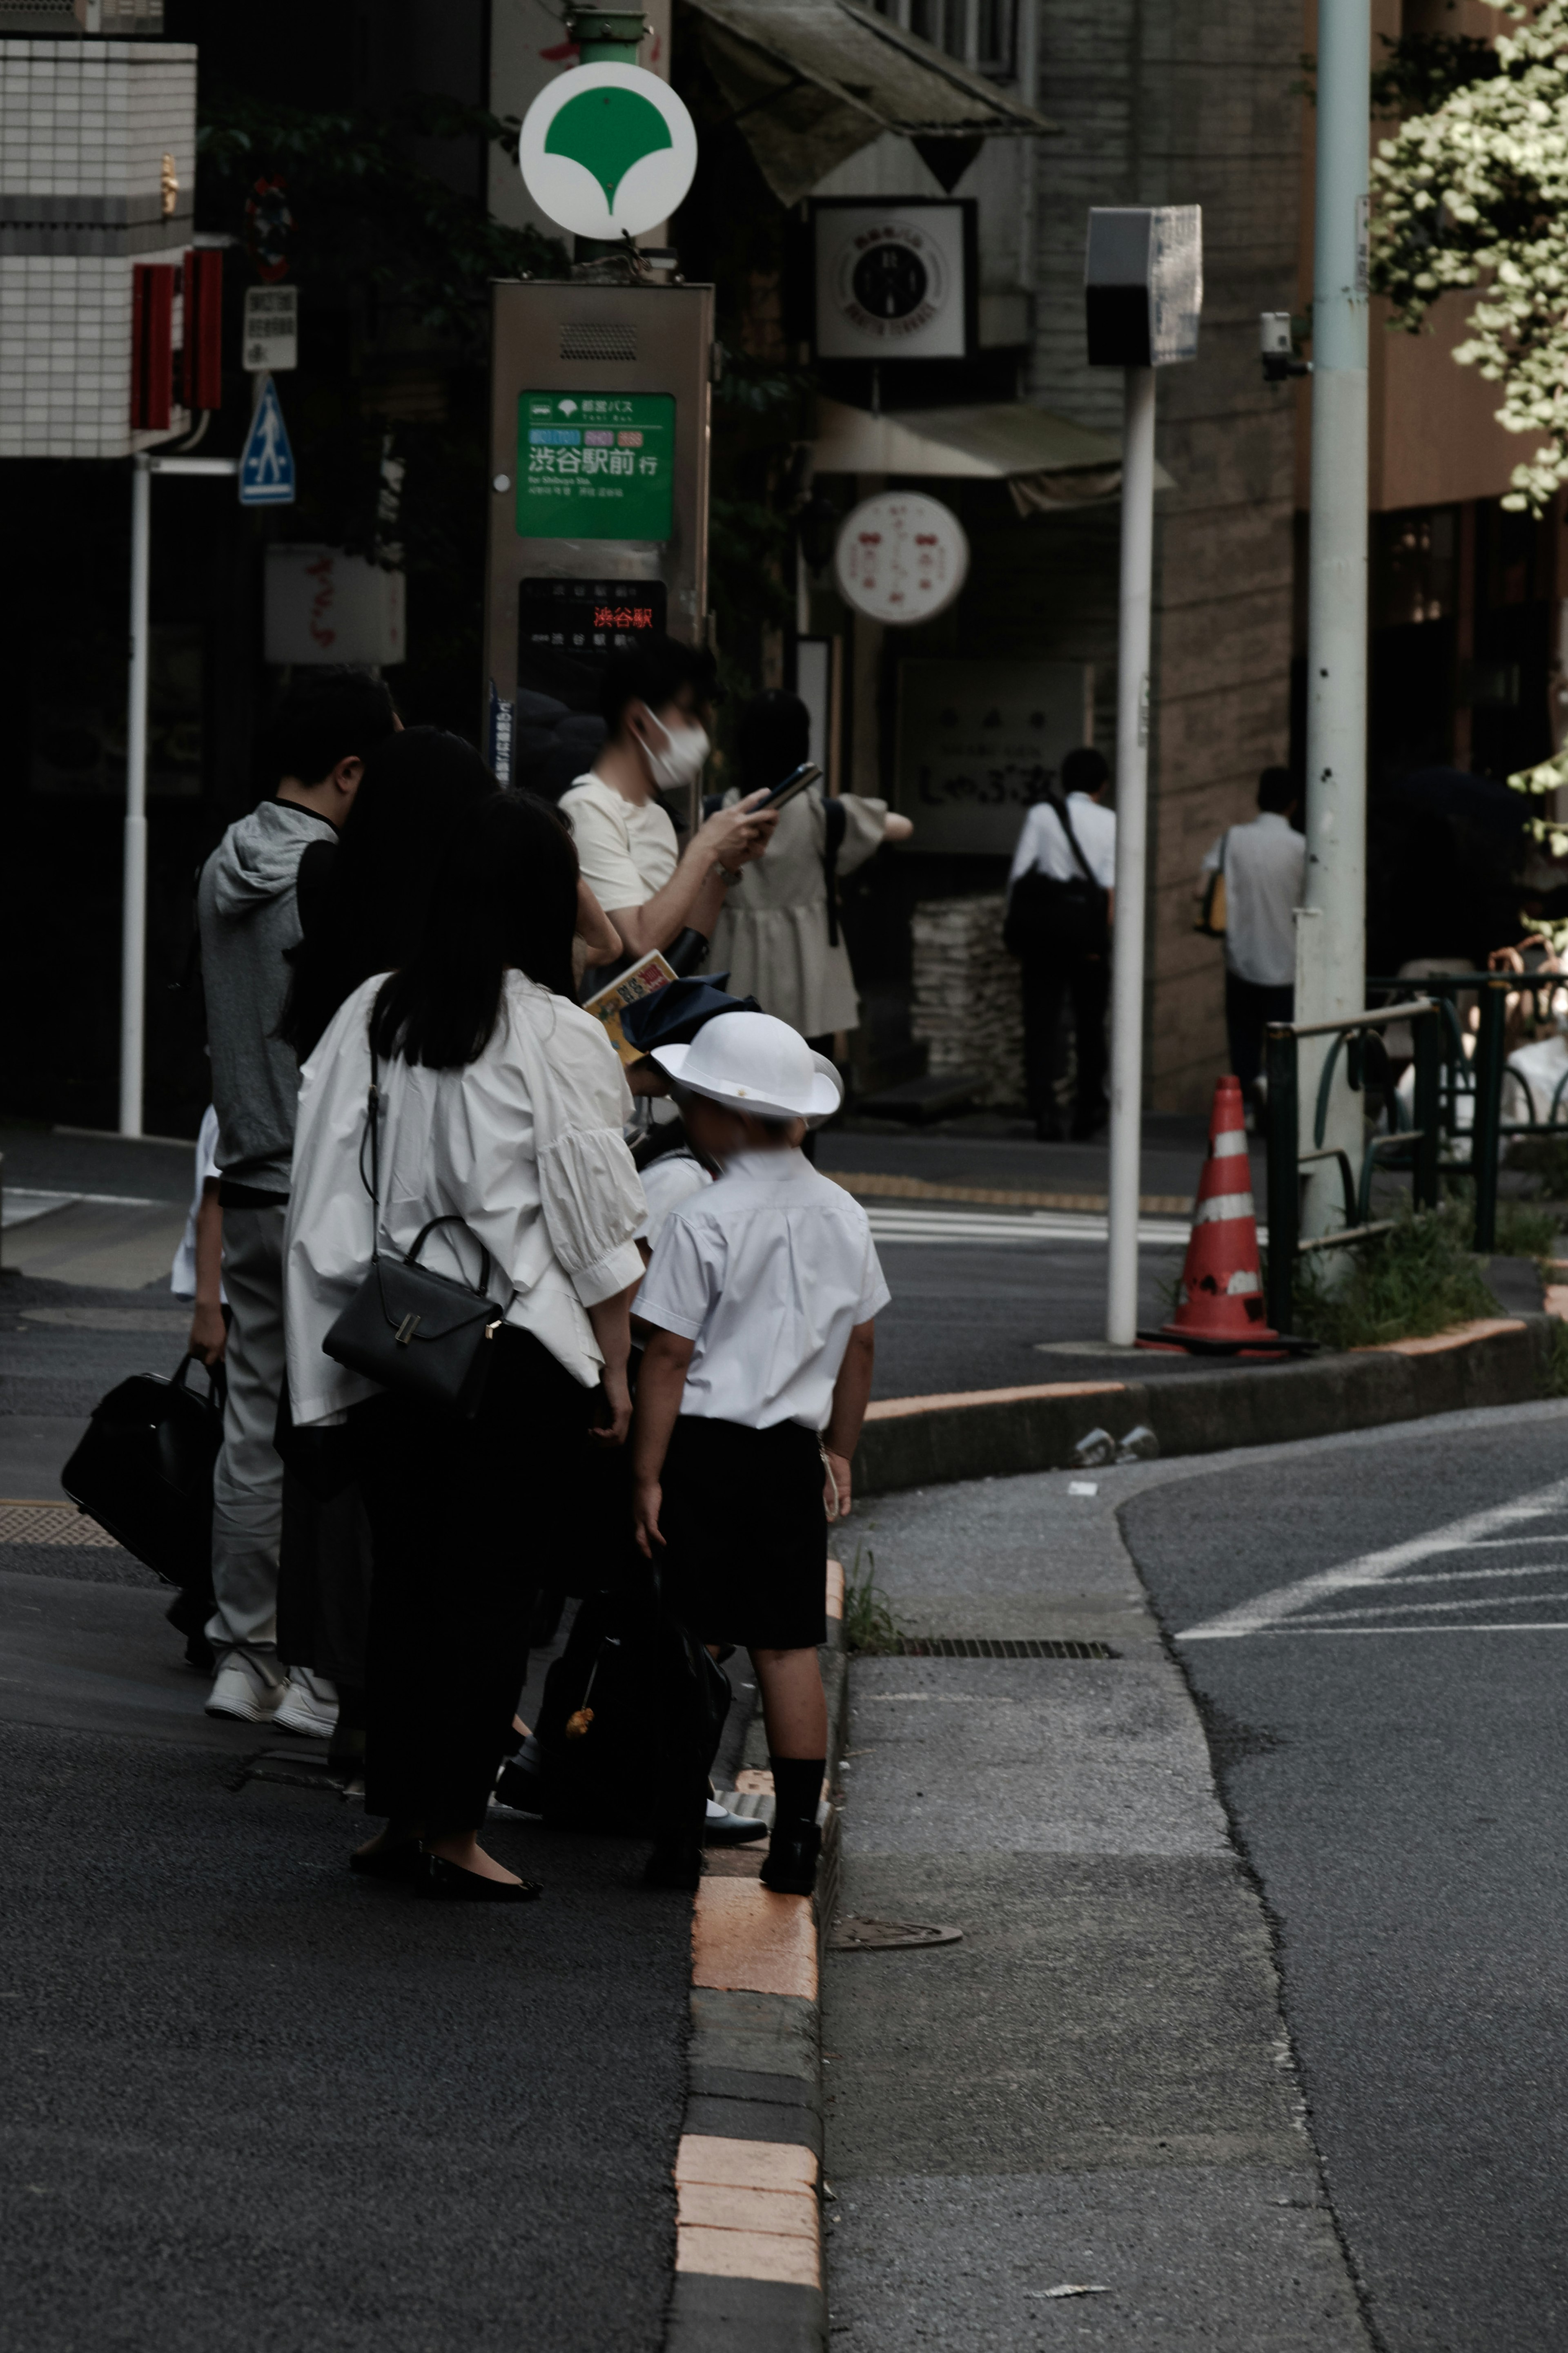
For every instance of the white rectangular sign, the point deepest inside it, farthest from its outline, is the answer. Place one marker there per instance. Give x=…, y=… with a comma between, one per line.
x=893, y=278
x=322, y=605
x=980, y=742
x=271, y=329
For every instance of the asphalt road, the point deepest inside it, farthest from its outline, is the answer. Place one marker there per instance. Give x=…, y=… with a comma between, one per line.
x=1393, y=1756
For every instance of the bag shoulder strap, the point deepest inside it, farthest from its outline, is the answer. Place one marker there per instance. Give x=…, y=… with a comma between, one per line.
x=837, y=824
x=1059, y=804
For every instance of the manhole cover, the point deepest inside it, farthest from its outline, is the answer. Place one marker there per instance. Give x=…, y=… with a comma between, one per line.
x=975, y=1646
x=852, y=1936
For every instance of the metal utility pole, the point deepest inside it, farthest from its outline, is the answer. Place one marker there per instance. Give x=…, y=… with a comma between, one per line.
x=1132, y=851
x=1331, y=930
x=133, y=890
x=133, y=881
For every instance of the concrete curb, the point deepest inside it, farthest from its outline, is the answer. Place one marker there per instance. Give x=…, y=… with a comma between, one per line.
x=999, y=1433
x=748, y=2263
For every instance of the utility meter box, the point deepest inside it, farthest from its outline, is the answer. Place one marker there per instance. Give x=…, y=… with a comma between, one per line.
x=599, y=460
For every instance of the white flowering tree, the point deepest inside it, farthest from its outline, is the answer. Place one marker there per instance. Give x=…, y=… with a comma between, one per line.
x=1474, y=193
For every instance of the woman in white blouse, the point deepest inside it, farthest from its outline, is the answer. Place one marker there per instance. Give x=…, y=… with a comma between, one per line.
x=501, y=1103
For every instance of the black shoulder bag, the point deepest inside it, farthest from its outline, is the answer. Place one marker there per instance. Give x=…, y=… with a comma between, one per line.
x=1062, y=921
x=418, y=1334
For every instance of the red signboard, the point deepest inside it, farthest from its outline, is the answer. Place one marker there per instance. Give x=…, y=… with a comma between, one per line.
x=152, y=346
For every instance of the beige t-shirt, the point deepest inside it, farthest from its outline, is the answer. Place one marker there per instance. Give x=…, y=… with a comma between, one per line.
x=626, y=852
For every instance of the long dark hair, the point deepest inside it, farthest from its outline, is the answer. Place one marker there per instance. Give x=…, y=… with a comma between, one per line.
x=416, y=790
x=506, y=896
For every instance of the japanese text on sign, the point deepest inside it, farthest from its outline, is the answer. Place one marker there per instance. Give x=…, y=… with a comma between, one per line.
x=595, y=466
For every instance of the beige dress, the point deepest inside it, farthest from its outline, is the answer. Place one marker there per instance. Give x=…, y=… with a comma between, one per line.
x=771, y=937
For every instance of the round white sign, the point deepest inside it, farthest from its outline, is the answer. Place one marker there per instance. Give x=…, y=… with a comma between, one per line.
x=900, y=558
x=607, y=151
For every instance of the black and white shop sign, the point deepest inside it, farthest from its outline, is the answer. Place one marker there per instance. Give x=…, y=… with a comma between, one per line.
x=894, y=278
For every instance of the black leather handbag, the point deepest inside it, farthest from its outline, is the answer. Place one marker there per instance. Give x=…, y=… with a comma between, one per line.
x=143, y=1469
x=418, y=1334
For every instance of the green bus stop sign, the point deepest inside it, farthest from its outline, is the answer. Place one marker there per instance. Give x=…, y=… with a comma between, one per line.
x=593, y=465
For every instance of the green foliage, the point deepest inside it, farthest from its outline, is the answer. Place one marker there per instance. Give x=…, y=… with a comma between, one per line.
x=871, y=1627
x=369, y=222
x=1554, y=1373
x=760, y=411
x=1422, y=69
x=1546, y=1156
x=1419, y=1278
x=1525, y=1231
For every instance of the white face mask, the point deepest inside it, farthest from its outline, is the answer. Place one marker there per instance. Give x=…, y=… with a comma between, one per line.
x=680, y=761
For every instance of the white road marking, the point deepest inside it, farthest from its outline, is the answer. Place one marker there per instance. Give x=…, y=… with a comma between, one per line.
x=20, y=1204
x=901, y=1225
x=1404, y=1608
x=1268, y=1610
x=1544, y=1626
x=1472, y=1575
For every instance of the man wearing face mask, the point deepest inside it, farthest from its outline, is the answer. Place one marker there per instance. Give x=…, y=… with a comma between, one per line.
x=652, y=700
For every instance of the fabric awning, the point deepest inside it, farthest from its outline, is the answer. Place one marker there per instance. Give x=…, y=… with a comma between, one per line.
x=1047, y=461
x=813, y=81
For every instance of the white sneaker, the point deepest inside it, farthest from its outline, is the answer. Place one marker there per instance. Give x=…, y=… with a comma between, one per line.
x=310, y=1704
x=243, y=1689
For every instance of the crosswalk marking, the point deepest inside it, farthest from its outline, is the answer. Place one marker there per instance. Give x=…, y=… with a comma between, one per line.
x=1012, y=1228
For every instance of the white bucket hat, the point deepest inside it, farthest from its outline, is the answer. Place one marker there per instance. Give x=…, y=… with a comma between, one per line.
x=757, y=1064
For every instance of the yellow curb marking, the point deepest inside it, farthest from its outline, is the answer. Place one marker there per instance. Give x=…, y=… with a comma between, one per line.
x=1438, y=1342
x=894, y=1409
x=744, y=2164
x=748, y=2254
x=920, y=1188
x=746, y=1939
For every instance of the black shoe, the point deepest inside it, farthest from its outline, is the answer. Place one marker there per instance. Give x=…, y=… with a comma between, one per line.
x=405, y=1861
x=674, y=1865
x=448, y=1882
x=790, y=1867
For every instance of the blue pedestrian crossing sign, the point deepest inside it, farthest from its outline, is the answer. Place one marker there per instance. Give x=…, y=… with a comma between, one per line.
x=266, y=468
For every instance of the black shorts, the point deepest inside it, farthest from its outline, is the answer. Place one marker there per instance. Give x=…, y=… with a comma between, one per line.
x=745, y=1557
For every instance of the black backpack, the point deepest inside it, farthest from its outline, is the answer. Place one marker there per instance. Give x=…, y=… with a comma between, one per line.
x=631, y=1715
x=1062, y=923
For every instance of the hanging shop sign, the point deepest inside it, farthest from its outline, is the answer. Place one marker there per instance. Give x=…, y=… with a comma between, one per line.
x=895, y=280
x=608, y=151
x=980, y=742
x=900, y=558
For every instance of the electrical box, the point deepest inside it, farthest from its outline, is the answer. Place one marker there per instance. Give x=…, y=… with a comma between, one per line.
x=598, y=499
x=1143, y=284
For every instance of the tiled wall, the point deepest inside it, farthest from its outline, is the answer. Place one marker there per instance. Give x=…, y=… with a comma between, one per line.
x=84, y=127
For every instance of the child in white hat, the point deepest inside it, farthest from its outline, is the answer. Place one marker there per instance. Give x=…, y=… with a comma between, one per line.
x=761, y=1295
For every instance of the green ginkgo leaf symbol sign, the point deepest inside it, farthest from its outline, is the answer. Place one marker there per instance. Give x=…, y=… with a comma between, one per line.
x=607, y=131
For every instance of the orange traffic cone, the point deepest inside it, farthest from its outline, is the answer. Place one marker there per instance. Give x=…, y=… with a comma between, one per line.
x=1221, y=1300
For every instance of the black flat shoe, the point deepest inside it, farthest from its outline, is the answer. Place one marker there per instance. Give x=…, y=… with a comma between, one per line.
x=448, y=1882
x=790, y=1866
x=405, y=1861
x=674, y=1866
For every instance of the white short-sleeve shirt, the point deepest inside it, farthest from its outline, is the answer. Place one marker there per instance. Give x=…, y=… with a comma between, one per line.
x=768, y=1271
x=1042, y=844
x=668, y=1181
x=626, y=849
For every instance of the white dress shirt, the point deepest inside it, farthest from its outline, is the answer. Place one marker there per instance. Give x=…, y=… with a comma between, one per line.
x=523, y=1144
x=1043, y=843
x=768, y=1271
x=1265, y=877
x=626, y=849
x=668, y=1181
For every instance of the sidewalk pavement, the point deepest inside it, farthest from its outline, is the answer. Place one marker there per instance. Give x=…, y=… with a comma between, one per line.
x=1094, y=2090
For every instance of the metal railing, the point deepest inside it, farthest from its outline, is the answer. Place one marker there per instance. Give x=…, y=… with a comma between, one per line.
x=1418, y=1145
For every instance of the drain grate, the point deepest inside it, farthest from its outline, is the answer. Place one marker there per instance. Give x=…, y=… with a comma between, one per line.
x=976, y=1646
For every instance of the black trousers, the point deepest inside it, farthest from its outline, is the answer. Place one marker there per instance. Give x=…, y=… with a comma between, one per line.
x=1047, y=984
x=1247, y=1005
x=469, y=1520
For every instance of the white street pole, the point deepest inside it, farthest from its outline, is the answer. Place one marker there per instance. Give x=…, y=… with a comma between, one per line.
x=1330, y=942
x=134, y=900
x=1131, y=852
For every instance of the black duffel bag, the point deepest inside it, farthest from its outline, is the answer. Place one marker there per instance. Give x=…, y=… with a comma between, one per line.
x=1054, y=920
x=143, y=1469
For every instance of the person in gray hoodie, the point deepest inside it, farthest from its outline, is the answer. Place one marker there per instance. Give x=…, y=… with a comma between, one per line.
x=249, y=914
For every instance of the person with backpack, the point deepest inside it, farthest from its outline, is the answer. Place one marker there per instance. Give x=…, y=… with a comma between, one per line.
x=778, y=934
x=326, y=726
x=760, y=1298
x=1061, y=897
x=459, y=1141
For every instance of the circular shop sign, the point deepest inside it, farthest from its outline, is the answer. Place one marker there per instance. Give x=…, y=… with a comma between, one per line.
x=607, y=151
x=891, y=282
x=900, y=558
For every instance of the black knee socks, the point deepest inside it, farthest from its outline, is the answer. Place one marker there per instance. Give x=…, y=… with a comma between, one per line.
x=797, y=1790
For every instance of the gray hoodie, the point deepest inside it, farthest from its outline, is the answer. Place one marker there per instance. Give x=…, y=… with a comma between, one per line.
x=245, y=908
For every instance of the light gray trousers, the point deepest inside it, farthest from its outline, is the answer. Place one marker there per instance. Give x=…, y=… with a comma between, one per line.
x=247, y=1484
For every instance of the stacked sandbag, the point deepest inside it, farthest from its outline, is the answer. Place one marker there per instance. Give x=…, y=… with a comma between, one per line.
x=967, y=1008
